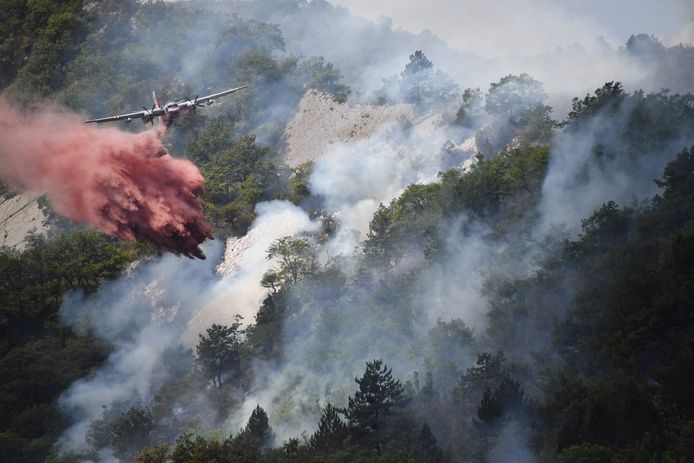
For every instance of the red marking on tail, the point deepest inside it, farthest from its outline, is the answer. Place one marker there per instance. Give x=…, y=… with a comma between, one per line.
x=157, y=104
x=163, y=119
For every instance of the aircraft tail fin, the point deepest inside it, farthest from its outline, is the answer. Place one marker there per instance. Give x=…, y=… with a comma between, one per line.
x=163, y=119
x=157, y=105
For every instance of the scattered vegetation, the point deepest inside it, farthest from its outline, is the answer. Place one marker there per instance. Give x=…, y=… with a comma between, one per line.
x=39, y=357
x=587, y=356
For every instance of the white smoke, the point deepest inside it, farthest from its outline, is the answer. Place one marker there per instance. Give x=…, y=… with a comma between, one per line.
x=577, y=183
x=354, y=178
x=239, y=292
x=164, y=304
x=140, y=316
x=160, y=307
x=572, y=47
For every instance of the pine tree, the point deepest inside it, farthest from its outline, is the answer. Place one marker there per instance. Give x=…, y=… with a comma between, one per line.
x=428, y=451
x=507, y=398
x=418, y=63
x=331, y=433
x=258, y=428
x=421, y=84
x=248, y=445
x=368, y=412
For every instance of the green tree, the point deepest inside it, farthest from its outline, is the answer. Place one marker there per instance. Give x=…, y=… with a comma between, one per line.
x=39, y=358
x=258, y=428
x=418, y=63
x=369, y=412
x=513, y=96
x=236, y=179
x=644, y=46
x=471, y=108
x=296, y=259
x=254, y=438
x=324, y=77
x=214, y=139
x=422, y=85
x=44, y=69
x=426, y=447
x=265, y=336
x=37, y=41
x=505, y=399
x=156, y=454
x=478, y=380
x=607, y=98
x=219, y=352
x=381, y=246
x=678, y=178
x=197, y=449
x=126, y=431
x=331, y=432
x=519, y=116
x=299, y=189
x=445, y=347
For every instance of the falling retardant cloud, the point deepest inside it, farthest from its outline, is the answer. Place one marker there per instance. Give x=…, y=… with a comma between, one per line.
x=123, y=184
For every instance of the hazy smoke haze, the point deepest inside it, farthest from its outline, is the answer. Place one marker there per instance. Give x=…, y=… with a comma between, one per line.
x=128, y=186
x=530, y=27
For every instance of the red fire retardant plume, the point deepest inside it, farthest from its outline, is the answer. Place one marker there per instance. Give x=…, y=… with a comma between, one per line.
x=123, y=184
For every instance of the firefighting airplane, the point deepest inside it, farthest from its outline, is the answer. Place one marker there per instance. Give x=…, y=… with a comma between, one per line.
x=169, y=112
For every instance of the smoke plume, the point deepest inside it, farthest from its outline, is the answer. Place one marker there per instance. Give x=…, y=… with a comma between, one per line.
x=125, y=185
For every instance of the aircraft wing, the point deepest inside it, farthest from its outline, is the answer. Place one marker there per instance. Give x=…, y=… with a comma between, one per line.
x=120, y=117
x=214, y=96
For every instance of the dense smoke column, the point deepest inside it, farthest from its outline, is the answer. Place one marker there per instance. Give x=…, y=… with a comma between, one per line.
x=125, y=185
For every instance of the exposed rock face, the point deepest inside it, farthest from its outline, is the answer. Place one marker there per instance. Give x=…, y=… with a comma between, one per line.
x=320, y=121
x=242, y=267
x=19, y=215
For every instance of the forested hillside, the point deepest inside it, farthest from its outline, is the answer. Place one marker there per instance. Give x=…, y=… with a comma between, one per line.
x=532, y=303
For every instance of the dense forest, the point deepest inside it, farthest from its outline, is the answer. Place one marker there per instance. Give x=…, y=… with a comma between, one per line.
x=533, y=305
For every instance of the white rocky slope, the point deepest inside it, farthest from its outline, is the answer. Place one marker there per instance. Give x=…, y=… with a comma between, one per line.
x=320, y=122
x=20, y=215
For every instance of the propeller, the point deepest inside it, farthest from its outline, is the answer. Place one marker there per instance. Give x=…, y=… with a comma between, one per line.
x=194, y=103
x=149, y=117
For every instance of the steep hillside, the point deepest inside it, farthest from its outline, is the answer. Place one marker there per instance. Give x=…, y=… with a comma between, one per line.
x=20, y=215
x=479, y=243
x=320, y=122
